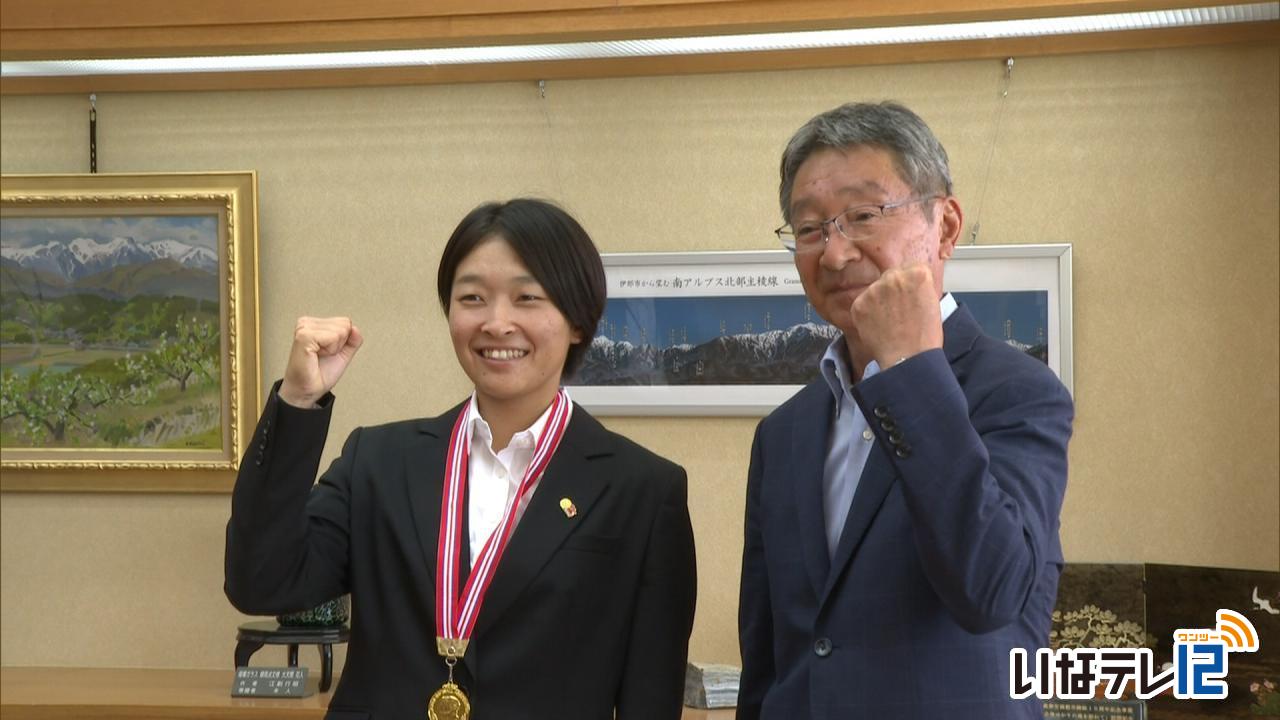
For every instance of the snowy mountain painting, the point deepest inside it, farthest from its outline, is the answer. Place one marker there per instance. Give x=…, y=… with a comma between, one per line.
x=754, y=340
x=110, y=332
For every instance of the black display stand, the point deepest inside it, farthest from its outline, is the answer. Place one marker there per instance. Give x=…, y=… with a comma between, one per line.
x=252, y=636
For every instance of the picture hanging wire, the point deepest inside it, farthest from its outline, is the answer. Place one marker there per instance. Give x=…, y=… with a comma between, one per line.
x=995, y=135
x=553, y=161
x=93, y=132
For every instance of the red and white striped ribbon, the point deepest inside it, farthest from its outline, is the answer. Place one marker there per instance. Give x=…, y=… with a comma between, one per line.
x=456, y=616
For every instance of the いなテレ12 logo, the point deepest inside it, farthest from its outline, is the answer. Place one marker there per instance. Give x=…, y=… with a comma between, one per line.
x=1199, y=669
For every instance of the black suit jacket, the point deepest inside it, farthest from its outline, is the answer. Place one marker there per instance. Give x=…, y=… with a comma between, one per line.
x=586, y=616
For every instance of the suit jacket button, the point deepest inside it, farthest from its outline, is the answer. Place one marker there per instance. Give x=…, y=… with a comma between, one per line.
x=888, y=425
x=881, y=411
x=903, y=451
x=822, y=647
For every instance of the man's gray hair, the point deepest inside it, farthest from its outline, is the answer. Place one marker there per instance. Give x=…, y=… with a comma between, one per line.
x=920, y=159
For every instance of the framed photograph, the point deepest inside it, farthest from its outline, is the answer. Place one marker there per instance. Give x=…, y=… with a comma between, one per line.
x=128, y=331
x=731, y=333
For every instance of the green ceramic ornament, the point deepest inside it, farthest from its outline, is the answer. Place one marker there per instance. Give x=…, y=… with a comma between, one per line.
x=328, y=614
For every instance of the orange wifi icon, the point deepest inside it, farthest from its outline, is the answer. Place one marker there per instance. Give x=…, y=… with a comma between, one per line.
x=1236, y=631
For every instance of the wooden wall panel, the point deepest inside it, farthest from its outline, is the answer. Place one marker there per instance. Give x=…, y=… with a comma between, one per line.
x=50, y=29
x=1159, y=166
x=649, y=66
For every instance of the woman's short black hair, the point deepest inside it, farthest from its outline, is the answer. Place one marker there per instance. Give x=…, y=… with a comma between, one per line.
x=555, y=248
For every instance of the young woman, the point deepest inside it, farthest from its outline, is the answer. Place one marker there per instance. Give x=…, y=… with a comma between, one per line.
x=511, y=558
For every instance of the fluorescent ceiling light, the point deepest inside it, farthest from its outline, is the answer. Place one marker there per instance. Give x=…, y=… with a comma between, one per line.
x=760, y=42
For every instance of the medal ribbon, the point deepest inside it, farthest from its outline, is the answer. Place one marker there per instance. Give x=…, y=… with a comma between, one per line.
x=456, y=615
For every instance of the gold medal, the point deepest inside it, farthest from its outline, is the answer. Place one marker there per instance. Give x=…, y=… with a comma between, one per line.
x=449, y=703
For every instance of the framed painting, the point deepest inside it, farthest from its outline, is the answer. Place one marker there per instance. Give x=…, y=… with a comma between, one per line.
x=128, y=330
x=731, y=333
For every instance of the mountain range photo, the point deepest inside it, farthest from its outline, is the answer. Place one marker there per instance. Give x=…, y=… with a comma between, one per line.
x=776, y=357
x=758, y=340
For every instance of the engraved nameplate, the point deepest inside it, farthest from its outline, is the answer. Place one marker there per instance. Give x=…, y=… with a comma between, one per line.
x=270, y=682
x=1099, y=709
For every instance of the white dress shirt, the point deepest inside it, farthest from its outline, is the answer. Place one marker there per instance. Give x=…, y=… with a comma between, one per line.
x=494, y=478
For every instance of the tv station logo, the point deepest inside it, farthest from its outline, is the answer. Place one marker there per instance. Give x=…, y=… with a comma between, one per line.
x=1198, y=671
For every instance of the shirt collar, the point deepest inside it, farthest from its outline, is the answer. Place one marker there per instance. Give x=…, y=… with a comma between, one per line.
x=835, y=364
x=526, y=438
x=947, y=305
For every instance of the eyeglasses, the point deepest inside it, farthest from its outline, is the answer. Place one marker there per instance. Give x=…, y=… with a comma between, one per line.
x=855, y=223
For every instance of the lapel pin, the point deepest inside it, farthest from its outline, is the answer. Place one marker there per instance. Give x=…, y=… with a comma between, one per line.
x=568, y=507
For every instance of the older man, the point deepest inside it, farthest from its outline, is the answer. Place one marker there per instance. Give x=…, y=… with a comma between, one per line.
x=902, y=510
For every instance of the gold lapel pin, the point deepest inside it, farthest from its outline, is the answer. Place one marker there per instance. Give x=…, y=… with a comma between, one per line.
x=568, y=507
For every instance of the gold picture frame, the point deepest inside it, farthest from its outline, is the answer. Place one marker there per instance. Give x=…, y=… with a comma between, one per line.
x=129, y=344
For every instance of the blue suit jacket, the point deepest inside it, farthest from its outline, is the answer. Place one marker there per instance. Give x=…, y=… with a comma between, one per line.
x=949, y=557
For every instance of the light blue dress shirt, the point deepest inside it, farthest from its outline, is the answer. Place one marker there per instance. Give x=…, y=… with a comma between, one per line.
x=851, y=438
